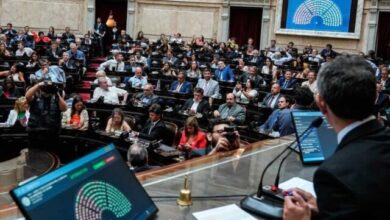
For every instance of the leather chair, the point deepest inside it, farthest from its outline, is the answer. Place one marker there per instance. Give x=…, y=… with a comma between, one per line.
x=172, y=140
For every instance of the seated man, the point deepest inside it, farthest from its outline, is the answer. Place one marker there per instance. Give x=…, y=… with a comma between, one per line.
x=110, y=94
x=169, y=58
x=224, y=73
x=23, y=51
x=147, y=97
x=304, y=99
x=76, y=54
x=280, y=58
x=115, y=64
x=196, y=104
x=138, y=158
x=141, y=59
x=66, y=63
x=230, y=111
x=287, y=82
x=47, y=72
x=155, y=128
x=219, y=139
x=138, y=80
x=181, y=85
x=284, y=103
x=252, y=75
x=54, y=52
x=210, y=87
x=271, y=99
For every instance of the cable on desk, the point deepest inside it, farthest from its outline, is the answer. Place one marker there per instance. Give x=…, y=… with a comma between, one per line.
x=199, y=197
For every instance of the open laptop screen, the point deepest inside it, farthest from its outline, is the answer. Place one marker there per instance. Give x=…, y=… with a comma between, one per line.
x=96, y=186
x=317, y=145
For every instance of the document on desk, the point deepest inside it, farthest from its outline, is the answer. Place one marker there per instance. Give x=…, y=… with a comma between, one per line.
x=297, y=182
x=229, y=212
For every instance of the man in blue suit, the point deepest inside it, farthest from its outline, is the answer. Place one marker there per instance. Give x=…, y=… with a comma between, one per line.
x=224, y=73
x=181, y=85
x=287, y=82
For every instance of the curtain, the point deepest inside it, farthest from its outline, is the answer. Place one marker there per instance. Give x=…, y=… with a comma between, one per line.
x=383, y=36
x=245, y=23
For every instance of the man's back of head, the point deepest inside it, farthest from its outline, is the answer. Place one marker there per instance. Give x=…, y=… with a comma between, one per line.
x=348, y=87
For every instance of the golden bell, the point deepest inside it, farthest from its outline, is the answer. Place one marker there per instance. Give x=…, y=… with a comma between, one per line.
x=110, y=21
x=185, y=198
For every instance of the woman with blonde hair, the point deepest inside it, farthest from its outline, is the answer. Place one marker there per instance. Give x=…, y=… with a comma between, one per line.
x=20, y=113
x=117, y=122
x=192, y=138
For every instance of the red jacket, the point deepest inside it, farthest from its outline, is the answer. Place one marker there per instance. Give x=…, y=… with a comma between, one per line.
x=199, y=142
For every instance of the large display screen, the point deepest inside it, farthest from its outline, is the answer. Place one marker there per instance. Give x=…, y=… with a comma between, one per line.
x=319, y=15
x=97, y=186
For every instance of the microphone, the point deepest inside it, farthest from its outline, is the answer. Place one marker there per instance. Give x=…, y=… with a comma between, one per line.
x=316, y=123
x=263, y=205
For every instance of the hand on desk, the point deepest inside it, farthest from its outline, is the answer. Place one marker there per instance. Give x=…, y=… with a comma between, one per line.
x=300, y=205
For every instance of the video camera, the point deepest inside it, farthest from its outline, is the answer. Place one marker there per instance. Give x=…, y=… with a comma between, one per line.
x=230, y=133
x=51, y=87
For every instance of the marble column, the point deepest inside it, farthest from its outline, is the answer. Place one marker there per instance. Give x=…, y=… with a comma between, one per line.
x=265, y=28
x=130, y=18
x=225, y=18
x=372, y=27
x=90, y=18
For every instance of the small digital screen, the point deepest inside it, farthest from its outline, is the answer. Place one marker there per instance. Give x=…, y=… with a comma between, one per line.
x=319, y=143
x=97, y=186
x=319, y=15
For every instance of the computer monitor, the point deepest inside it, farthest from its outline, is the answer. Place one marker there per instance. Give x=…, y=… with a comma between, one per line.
x=96, y=186
x=319, y=143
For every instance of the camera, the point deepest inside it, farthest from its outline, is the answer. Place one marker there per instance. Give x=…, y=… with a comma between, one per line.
x=49, y=87
x=230, y=135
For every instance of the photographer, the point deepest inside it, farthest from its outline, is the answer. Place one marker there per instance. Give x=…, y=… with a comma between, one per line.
x=46, y=104
x=222, y=137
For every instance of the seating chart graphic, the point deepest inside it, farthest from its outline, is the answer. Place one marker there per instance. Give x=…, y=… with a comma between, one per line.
x=319, y=15
x=97, y=197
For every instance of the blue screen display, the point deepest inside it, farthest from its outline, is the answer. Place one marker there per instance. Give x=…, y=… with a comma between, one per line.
x=319, y=15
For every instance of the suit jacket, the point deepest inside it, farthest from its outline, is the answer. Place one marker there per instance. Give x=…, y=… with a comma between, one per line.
x=152, y=100
x=212, y=90
x=289, y=85
x=158, y=132
x=226, y=74
x=353, y=183
x=185, y=88
x=267, y=99
x=257, y=81
x=235, y=111
x=203, y=106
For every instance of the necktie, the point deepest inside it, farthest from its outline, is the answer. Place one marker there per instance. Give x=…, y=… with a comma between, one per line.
x=270, y=101
x=151, y=127
x=206, y=88
x=179, y=87
x=285, y=84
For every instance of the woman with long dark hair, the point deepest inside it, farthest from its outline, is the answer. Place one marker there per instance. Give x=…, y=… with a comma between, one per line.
x=77, y=116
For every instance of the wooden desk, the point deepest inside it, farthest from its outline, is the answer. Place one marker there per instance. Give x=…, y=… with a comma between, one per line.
x=234, y=173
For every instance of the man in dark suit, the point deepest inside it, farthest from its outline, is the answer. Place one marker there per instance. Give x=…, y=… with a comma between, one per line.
x=224, y=73
x=353, y=183
x=271, y=99
x=252, y=75
x=99, y=33
x=181, y=85
x=287, y=82
x=147, y=97
x=155, y=128
x=197, y=104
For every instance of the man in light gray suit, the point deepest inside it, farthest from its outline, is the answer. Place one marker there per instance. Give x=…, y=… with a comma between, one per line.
x=231, y=111
x=210, y=87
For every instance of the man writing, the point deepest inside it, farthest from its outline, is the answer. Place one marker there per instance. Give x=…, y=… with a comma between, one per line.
x=353, y=183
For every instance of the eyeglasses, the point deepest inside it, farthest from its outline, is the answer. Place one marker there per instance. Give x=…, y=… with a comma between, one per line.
x=219, y=131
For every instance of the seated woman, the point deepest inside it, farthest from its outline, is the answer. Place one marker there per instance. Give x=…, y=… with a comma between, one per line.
x=4, y=52
x=34, y=61
x=77, y=116
x=192, y=138
x=117, y=122
x=16, y=74
x=19, y=115
x=245, y=95
x=167, y=70
x=194, y=71
x=8, y=89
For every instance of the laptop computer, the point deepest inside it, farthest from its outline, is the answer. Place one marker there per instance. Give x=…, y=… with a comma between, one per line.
x=319, y=143
x=96, y=186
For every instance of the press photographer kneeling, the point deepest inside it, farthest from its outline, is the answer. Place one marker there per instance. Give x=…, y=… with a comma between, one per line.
x=46, y=100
